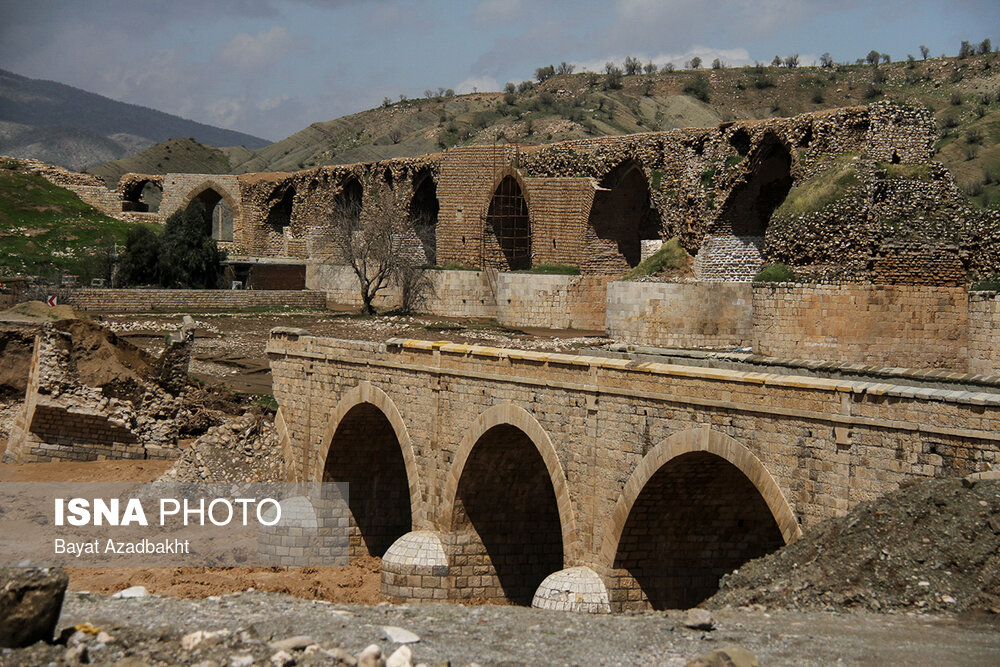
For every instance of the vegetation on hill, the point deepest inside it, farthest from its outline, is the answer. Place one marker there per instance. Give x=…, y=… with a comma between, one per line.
x=45, y=229
x=962, y=92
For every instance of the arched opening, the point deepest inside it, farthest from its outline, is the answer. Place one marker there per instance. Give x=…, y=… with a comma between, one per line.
x=505, y=519
x=507, y=218
x=143, y=197
x=423, y=215
x=218, y=215
x=365, y=454
x=280, y=214
x=697, y=518
x=349, y=200
x=748, y=209
x=622, y=215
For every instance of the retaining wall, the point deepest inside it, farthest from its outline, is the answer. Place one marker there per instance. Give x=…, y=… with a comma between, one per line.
x=684, y=315
x=552, y=301
x=453, y=293
x=139, y=300
x=984, y=332
x=879, y=325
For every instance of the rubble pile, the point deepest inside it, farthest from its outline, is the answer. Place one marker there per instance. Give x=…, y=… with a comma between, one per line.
x=933, y=545
x=242, y=450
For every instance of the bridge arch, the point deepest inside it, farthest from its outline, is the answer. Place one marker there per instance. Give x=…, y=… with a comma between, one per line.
x=221, y=208
x=507, y=506
x=507, y=222
x=697, y=506
x=622, y=215
x=366, y=445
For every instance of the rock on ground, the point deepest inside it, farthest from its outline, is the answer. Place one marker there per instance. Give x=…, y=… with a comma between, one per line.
x=30, y=602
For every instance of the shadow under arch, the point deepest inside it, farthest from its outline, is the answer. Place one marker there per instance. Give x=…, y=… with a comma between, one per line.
x=366, y=444
x=676, y=551
x=507, y=507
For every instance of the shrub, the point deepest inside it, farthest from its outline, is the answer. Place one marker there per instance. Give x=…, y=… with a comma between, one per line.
x=956, y=99
x=698, y=87
x=613, y=80
x=716, y=64
x=632, y=66
x=694, y=63
x=988, y=284
x=775, y=273
x=825, y=60
x=554, y=269
x=543, y=73
x=670, y=256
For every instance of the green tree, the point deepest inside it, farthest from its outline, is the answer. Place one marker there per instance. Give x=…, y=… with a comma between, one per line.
x=190, y=257
x=140, y=263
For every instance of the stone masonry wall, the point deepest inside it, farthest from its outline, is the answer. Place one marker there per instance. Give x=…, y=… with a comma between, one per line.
x=454, y=293
x=684, y=315
x=138, y=300
x=984, y=332
x=551, y=301
x=812, y=447
x=882, y=325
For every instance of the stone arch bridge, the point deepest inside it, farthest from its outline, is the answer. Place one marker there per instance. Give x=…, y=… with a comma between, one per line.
x=595, y=483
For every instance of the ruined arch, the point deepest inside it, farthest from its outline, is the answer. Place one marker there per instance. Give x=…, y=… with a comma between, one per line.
x=622, y=215
x=696, y=506
x=220, y=209
x=748, y=208
x=279, y=215
x=366, y=445
x=507, y=504
x=143, y=196
x=351, y=195
x=423, y=214
x=508, y=222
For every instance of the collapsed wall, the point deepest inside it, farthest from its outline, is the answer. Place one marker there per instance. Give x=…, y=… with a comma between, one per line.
x=90, y=396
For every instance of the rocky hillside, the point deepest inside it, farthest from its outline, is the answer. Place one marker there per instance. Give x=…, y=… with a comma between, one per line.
x=964, y=94
x=62, y=125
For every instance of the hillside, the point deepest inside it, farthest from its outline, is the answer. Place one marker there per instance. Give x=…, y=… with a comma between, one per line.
x=70, y=127
x=45, y=228
x=962, y=92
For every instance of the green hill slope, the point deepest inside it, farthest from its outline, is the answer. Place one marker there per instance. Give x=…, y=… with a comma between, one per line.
x=45, y=229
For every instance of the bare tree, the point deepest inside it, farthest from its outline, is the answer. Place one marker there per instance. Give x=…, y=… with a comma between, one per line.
x=924, y=51
x=377, y=242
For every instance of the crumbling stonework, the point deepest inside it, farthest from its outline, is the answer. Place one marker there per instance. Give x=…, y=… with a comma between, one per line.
x=63, y=418
x=590, y=203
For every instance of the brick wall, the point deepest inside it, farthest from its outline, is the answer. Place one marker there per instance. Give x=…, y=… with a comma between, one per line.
x=684, y=315
x=551, y=301
x=884, y=325
x=138, y=300
x=984, y=332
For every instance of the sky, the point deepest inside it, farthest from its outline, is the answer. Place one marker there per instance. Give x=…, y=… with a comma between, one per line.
x=272, y=67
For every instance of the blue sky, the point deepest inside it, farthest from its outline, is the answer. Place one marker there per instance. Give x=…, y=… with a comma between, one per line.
x=272, y=67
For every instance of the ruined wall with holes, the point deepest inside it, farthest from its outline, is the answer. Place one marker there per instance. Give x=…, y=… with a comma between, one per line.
x=590, y=202
x=600, y=431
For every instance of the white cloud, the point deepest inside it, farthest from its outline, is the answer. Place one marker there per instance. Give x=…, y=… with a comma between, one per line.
x=481, y=84
x=247, y=52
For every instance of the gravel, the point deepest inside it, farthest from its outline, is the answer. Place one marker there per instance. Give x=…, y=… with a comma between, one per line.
x=150, y=631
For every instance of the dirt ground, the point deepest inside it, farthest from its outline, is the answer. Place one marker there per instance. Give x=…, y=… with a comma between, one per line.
x=229, y=347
